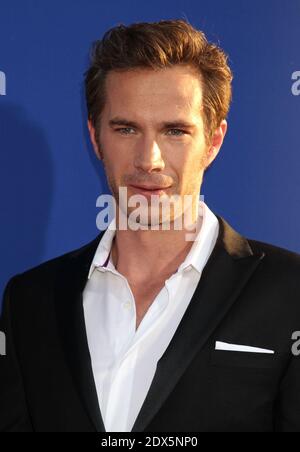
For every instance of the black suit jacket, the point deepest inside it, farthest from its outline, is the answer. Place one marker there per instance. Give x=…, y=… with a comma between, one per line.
x=248, y=294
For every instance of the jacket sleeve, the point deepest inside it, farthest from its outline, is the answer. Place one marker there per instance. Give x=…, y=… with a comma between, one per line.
x=287, y=416
x=14, y=416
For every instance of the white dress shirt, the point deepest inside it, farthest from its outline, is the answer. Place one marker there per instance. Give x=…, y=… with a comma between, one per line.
x=124, y=359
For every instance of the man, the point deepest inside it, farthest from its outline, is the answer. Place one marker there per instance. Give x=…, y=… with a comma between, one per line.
x=144, y=329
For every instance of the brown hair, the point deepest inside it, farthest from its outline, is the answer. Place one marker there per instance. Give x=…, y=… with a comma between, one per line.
x=159, y=45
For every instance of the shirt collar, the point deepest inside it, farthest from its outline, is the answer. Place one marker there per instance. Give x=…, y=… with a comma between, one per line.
x=205, y=238
x=204, y=241
x=102, y=255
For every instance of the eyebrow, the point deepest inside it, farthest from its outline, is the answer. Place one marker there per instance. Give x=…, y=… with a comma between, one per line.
x=168, y=124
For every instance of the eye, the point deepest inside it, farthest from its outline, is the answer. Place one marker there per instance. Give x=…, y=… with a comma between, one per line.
x=177, y=132
x=124, y=130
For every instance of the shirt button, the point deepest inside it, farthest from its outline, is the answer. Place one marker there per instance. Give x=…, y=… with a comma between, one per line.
x=127, y=305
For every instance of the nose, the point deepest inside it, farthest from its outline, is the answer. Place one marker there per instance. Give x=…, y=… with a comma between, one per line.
x=149, y=156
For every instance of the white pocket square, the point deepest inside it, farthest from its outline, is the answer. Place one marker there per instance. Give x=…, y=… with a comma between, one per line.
x=241, y=348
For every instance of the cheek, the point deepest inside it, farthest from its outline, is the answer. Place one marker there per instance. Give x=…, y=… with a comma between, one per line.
x=119, y=149
x=118, y=168
x=188, y=164
x=114, y=155
x=190, y=173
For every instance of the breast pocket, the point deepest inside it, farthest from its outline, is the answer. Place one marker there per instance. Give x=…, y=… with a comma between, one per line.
x=224, y=358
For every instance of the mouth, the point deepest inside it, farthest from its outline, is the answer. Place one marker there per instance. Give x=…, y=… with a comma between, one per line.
x=148, y=191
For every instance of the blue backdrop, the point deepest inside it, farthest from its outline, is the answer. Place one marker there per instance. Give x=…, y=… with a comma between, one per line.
x=50, y=178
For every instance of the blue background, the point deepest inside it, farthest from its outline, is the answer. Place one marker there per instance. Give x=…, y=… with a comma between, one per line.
x=50, y=178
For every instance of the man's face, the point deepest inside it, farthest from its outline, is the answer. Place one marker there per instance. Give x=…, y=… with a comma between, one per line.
x=152, y=132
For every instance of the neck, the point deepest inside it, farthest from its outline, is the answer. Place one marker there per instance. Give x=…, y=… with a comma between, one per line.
x=145, y=254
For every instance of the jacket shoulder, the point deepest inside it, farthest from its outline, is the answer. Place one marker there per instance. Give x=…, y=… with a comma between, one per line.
x=46, y=271
x=281, y=264
x=275, y=252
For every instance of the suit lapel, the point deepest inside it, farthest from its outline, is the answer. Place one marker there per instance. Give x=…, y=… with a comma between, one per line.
x=70, y=314
x=226, y=273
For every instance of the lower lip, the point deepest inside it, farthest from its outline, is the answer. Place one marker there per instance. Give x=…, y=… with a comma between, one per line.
x=148, y=193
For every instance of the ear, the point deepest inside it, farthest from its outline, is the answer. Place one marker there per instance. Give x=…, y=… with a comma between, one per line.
x=216, y=142
x=92, y=133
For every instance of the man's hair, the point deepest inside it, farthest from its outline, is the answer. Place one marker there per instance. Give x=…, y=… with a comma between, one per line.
x=161, y=45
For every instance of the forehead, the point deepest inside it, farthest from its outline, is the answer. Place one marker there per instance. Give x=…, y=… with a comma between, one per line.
x=149, y=91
